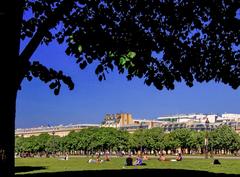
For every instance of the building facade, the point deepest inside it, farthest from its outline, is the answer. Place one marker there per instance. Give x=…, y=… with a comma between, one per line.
x=52, y=130
x=125, y=121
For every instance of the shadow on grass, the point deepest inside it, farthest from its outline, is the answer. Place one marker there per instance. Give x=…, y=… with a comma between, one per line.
x=133, y=173
x=27, y=169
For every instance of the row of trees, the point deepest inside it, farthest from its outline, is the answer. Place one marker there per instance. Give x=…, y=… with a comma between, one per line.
x=221, y=140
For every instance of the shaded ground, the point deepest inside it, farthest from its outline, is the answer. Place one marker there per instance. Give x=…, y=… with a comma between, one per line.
x=27, y=169
x=127, y=173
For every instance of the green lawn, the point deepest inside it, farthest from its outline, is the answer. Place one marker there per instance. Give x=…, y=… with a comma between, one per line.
x=46, y=165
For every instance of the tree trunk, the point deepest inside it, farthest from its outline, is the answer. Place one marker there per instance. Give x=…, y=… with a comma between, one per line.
x=7, y=131
x=9, y=82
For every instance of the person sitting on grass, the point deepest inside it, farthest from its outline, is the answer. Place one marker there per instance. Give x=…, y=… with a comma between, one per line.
x=66, y=156
x=145, y=157
x=179, y=157
x=138, y=161
x=129, y=161
x=99, y=160
x=161, y=157
x=92, y=161
x=106, y=158
x=216, y=162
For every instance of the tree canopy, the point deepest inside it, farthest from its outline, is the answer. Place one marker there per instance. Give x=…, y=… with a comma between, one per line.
x=163, y=42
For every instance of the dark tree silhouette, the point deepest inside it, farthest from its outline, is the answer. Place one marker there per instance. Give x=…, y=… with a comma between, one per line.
x=163, y=42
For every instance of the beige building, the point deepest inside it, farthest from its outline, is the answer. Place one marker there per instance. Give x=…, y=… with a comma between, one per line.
x=54, y=130
x=117, y=120
x=125, y=121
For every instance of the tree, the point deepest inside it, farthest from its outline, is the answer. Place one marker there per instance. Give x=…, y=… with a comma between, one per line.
x=28, y=145
x=19, y=144
x=193, y=41
x=53, y=144
x=196, y=140
x=224, y=138
x=139, y=139
x=183, y=136
x=42, y=144
x=169, y=142
x=155, y=138
x=71, y=141
x=97, y=139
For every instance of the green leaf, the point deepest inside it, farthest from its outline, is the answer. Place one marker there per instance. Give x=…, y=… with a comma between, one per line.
x=123, y=60
x=111, y=54
x=131, y=54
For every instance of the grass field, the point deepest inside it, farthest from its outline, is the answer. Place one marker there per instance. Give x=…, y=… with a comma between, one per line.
x=76, y=166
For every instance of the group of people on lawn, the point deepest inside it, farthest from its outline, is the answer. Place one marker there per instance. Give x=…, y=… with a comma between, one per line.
x=163, y=158
x=139, y=160
x=98, y=160
x=129, y=160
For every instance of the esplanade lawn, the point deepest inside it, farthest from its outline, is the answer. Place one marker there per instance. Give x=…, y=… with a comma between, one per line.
x=79, y=166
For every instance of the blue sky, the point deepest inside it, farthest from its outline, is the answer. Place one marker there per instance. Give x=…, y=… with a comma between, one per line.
x=91, y=99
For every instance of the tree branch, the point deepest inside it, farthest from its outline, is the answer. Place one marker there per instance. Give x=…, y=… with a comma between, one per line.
x=49, y=23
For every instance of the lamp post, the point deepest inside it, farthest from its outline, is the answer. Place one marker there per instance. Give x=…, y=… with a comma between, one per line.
x=53, y=144
x=211, y=148
x=141, y=139
x=206, y=138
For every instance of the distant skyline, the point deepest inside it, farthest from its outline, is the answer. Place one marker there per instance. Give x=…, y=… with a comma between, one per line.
x=91, y=99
